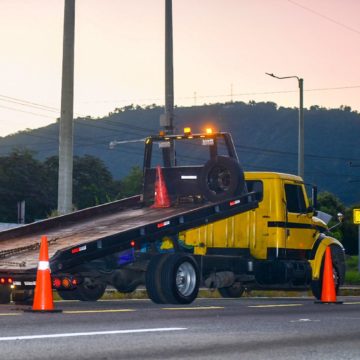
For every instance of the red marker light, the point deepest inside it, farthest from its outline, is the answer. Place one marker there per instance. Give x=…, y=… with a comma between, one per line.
x=74, y=282
x=132, y=243
x=56, y=283
x=10, y=280
x=2, y=280
x=162, y=224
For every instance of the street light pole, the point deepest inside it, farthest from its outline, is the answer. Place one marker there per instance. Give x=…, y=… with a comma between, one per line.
x=301, y=154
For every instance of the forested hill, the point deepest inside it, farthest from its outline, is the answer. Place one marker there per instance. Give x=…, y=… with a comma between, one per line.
x=265, y=136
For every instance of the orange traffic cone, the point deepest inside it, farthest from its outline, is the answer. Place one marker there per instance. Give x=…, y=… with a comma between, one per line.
x=43, y=298
x=161, y=194
x=328, y=291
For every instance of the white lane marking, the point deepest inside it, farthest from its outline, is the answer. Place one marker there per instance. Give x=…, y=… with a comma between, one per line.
x=352, y=303
x=112, y=332
x=304, y=320
x=274, y=305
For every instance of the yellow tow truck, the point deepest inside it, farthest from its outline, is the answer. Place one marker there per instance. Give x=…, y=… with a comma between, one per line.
x=225, y=229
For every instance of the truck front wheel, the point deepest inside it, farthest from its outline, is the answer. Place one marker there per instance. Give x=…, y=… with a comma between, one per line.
x=338, y=260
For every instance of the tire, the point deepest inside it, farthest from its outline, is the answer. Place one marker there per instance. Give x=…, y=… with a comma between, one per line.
x=222, y=178
x=89, y=290
x=125, y=281
x=180, y=279
x=23, y=297
x=338, y=260
x=153, y=279
x=5, y=293
x=236, y=290
x=67, y=294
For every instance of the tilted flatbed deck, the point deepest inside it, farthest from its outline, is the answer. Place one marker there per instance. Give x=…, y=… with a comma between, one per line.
x=99, y=231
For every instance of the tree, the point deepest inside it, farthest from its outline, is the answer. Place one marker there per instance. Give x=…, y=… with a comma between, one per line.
x=93, y=184
x=131, y=184
x=23, y=178
x=347, y=233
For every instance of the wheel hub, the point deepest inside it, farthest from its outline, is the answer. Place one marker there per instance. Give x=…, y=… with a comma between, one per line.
x=185, y=279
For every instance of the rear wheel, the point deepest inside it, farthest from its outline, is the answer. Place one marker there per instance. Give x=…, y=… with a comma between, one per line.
x=236, y=290
x=67, y=294
x=180, y=279
x=153, y=279
x=5, y=292
x=125, y=281
x=89, y=290
x=23, y=297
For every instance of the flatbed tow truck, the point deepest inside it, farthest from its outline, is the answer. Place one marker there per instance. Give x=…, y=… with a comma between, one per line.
x=226, y=229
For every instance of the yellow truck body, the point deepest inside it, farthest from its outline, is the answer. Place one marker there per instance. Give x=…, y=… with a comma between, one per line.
x=282, y=227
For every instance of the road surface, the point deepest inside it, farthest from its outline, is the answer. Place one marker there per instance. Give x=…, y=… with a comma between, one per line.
x=248, y=328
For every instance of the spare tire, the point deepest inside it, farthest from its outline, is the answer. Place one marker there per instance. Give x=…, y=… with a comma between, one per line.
x=222, y=178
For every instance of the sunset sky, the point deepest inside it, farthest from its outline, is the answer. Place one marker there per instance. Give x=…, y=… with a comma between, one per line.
x=222, y=49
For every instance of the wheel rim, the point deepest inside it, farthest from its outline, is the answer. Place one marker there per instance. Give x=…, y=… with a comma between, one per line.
x=186, y=279
x=219, y=179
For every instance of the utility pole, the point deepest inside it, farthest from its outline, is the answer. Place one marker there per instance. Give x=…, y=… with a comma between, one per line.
x=169, y=69
x=167, y=120
x=66, y=118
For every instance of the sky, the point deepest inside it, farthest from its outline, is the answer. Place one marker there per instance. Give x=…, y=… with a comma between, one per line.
x=222, y=50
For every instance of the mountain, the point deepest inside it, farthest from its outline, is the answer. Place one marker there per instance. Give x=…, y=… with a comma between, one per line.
x=265, y=136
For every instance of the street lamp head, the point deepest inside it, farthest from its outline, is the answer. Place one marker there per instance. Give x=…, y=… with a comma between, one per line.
x=270, y=74
x=283, y=77
x=301, y=121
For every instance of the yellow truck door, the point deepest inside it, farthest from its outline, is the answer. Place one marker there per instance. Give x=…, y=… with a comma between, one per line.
x=299, y=228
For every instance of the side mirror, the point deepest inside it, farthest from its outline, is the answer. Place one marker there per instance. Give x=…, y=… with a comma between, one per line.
x=311, y=211
x=340, y=218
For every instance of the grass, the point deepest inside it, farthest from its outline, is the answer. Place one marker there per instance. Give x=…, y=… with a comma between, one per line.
x=352, y=276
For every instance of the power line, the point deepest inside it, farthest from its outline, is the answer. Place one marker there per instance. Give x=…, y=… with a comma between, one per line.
x=325, y=17
x=27, y=112
x=28, y=103
x=22, y=102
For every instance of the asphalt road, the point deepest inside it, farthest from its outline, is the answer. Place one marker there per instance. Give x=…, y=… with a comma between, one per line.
x=249, y=328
